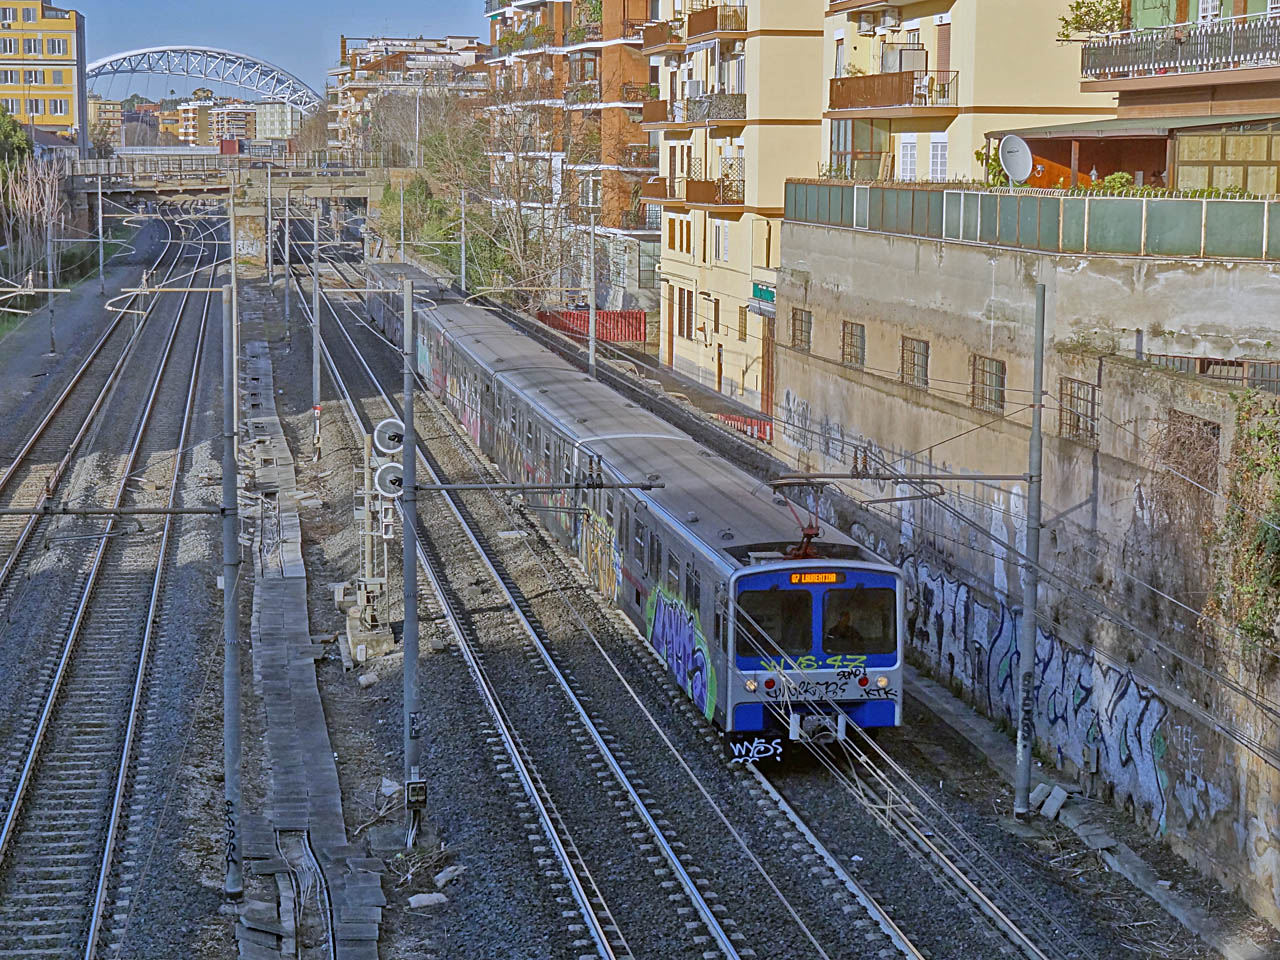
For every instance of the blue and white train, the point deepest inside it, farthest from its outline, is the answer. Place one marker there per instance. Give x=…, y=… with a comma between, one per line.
x=776, y=632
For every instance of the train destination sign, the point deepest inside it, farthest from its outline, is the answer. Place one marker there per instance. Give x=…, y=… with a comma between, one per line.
x=817, y=577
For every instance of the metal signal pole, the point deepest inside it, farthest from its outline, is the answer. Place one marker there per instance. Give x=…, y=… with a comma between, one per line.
x=462, y=277
x=315, y=331
x=591, y=319
x=102, y=245
x=409, y=506
x=271, y=238
x=1031, y=577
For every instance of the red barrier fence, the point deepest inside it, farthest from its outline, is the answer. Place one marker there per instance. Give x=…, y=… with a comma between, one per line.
x=756, y=428
x=612, y=326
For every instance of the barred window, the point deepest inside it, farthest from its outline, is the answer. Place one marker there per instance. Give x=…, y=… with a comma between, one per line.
x=1078, y=410
x=801, y=329
x=914, y=367
x=986, y=383
x=639, y=538
x=742, y=323
x=673, y=574
x=853, y=344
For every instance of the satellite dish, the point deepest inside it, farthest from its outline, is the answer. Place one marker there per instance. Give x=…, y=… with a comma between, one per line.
x=388, y=436
x=1015, y=158
x=389, y=480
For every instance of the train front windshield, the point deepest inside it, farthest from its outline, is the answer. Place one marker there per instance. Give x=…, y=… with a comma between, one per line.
x=820, y=619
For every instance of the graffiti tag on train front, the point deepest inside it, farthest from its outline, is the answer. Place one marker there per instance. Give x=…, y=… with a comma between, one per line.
x=761, y=748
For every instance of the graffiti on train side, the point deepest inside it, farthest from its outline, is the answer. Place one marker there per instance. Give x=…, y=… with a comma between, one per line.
x=675, y=635
x=463, y=399
x=601, y=557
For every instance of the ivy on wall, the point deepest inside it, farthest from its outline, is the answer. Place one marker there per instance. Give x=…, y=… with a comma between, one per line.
x=1247, y=551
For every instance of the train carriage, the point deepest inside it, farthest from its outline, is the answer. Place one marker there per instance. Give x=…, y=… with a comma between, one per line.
x=774, y=631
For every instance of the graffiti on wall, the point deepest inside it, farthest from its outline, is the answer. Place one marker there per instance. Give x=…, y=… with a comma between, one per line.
x=1083, y=706
x=601, y=556
x=677, y=638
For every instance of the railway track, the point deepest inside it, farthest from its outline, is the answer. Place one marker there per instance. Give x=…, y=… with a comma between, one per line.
x=65, y=797
x=33, y=475
x=650, y=826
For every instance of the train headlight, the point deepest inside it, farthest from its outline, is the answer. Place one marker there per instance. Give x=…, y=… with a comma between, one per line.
x=882, y=682
x=751, y=686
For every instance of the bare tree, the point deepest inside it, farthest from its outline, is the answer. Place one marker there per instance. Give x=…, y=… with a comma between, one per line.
x=33, y=202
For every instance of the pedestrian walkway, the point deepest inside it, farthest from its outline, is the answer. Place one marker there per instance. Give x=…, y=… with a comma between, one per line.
x=302, y=829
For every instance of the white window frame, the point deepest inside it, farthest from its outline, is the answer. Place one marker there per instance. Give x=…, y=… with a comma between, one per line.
x=59, y=108
x=12, y=105
x=908, y=150
x=35, y=106
x=33, y=46
x=8, y=14
x=29, y=15
x=938, y=158
x=57, y=47
x=1209, y=10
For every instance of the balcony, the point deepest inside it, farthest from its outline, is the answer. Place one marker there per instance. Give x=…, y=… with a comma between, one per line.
x=1184, y=48
x=583, y=91
x=665, y=37
x=633, y=29
x=639, y=155
x=711, y=106
x=715, y=193
x=644, y=217
x=583, y=33
x=908, y=88
x=662, y=188
x=719, y=19
x=493, y=6
x=654, y=111
x=640, y=92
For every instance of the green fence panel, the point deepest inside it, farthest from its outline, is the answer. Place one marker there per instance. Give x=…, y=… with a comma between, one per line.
x=906, y=199
x=875, y=208
x=952, y=215
x=847, y=206
x=1073, y=224
x=936, y=201
x=1273, y=234
x=1173, y=228
x=811, y=202
x=1233, y=228
x=990, y=220
x=1008, y=222
x=1050, y=220
x=920, y=212
x=824, y=204
x=969, y=227
x=1028, y=222
x=862, y=210
x=789, y=202
x=1115, y=225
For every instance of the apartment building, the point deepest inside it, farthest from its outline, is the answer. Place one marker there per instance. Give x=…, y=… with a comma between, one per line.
x=370, y=68
x=569, y=84
x=738, y=86
x=105, y=113
x=233, y=121
x=193, y=122
x=170, y=122
x=914, y=87
x=277, y=121
x=42, y=69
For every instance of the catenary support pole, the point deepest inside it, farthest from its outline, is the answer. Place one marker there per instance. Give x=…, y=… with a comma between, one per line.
x=102, y=245
x=591, y=284
x=462, y=274
x=402, y=223
x=288, y=262
x=410, y=507
x=233, y=883
x=271, y=233
x=315, y=333
x=235, y=305
x=51, y=271
x=1031, y=577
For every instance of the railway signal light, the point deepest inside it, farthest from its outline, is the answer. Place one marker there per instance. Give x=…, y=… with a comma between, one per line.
x=388, y=436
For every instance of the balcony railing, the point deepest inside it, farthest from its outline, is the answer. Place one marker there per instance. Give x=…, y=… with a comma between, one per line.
x=584, y=91
x=492, y=6
x=720, y=19
x=722, y=192
x=633, y=29
x=645, y=217
x=657, y=188
x=911, y=88
x=639, y=155
x=1185, y=48
x=654, y=111
x=640, y=92
x=663, y=34
x=711, y=106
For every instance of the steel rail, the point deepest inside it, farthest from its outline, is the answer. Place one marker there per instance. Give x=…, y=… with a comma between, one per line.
x=572, y=865
x=73, y=634
x=55, y=478
x=700, y=904
x=139, y=683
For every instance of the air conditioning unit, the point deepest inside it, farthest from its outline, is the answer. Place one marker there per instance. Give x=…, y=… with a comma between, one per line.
x=891, y=19
x=866, y=24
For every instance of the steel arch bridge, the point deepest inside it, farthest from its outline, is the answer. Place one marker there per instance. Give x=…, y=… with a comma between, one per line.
x=209, y=63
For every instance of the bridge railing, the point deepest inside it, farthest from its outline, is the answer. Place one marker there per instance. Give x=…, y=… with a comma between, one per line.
x=219, y=163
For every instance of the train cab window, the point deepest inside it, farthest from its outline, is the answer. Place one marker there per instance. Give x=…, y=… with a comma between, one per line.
x=673, y=575
x=639, y=541
x=775, y=621
x=655, y=556
x=860, y=620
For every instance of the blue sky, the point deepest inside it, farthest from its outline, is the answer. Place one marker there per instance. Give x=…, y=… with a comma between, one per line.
x=299, y=35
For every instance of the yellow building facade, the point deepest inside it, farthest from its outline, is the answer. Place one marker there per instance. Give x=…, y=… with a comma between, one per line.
x=736, y=119
x=912, y=87
x=42, y=69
